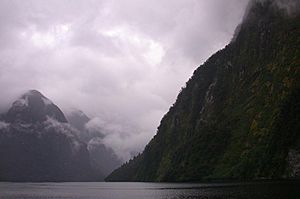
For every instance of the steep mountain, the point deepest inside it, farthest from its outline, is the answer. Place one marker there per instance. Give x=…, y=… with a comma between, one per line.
x=33, y=107
x=239, y=115
x=103, y=159
x=37, y=144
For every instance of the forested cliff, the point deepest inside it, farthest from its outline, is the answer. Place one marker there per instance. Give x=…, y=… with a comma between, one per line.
x=238, y=116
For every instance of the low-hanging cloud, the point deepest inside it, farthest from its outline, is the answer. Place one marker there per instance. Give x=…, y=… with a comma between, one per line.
x=121, y=62
x=125, y=141
x=3, y=125
x=289, y=6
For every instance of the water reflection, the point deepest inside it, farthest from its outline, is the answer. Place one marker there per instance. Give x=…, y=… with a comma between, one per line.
x=102, y=190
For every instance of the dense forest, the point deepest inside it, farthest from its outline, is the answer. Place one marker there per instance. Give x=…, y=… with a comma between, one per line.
x=238, y=115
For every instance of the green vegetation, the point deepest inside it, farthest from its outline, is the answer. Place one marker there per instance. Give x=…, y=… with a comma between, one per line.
x=238, y=116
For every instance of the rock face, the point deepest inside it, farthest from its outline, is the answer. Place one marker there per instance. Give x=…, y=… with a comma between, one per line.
x=239, y=115
x=37, y=144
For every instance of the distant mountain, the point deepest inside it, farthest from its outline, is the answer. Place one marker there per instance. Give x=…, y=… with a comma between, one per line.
x=103, y=158
x=37, y=144
x=33, y=107
x=78, y=119
x=239, y=115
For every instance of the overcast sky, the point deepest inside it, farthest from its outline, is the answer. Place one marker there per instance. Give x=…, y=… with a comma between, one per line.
x=122, y=62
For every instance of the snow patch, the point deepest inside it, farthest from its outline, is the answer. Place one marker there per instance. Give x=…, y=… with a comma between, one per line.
x=21, y=102
x=46, y=101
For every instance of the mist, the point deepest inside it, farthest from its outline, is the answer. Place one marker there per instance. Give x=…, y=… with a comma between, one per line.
x=288, y=6
x=120, y=62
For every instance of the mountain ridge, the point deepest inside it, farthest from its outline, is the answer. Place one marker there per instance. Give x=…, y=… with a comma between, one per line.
x=34, y=123
x=38, y=145
x=237, y=117
x=34, y=107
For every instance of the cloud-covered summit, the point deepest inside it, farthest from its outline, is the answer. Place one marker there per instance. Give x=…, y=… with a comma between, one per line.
x=121, y=62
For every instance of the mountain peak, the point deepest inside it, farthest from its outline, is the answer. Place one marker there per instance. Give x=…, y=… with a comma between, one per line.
x=33, y=92
x=34, y=107
x=38, y=95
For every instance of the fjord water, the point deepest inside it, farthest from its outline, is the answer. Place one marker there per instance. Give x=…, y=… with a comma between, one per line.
x=102, y=190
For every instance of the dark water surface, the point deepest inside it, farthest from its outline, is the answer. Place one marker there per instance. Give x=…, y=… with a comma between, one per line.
x=103, y=190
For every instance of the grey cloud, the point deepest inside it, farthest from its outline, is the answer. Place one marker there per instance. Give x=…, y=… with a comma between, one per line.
x=3, y=125
x=122, y=62
x=51, y=125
